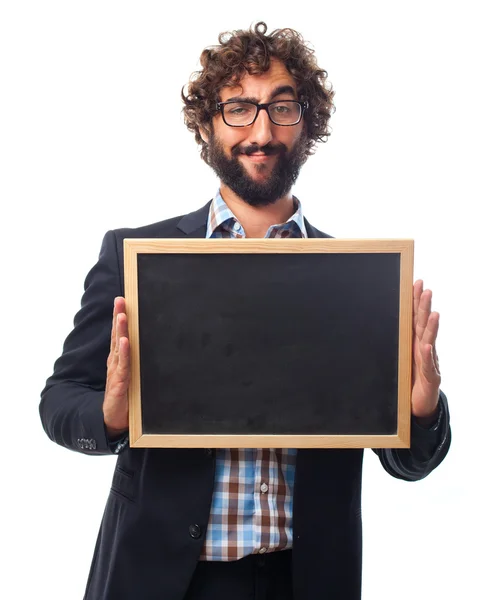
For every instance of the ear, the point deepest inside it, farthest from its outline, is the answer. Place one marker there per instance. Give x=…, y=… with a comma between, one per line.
x=204, y=135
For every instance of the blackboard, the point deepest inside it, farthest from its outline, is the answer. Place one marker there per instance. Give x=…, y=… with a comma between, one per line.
x=269, y=343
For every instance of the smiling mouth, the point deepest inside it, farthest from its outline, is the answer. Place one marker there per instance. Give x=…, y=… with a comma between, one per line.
x=259, y=156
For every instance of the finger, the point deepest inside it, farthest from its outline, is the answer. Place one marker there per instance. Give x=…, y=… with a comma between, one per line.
x=123, y=322
x=429, y=366
x=123, y=369
x=121, y=331
x=431, y=331
x=417, y=291
x=423, y=313
x=118, y=307
x=117, y=385
x=113, y=328
x=436, y=361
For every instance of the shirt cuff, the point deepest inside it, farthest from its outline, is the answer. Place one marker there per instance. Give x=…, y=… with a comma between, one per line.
x=118, y=445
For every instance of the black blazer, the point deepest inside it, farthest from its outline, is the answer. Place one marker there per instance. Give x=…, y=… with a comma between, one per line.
x=158, y=507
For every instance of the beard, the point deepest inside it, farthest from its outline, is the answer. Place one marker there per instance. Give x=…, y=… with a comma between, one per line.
x=259, y=193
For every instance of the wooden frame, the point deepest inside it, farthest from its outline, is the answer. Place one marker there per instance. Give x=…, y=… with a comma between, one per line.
x=133, y=248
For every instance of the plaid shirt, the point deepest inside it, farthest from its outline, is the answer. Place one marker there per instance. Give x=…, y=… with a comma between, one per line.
x=252, y=502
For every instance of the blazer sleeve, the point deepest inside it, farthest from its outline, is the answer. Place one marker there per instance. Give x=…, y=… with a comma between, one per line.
x=71, y=403
x=428, y=448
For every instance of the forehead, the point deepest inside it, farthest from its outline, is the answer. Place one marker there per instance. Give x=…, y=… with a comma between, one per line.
x=260, y=86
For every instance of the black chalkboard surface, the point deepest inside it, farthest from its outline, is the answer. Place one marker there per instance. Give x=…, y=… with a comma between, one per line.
x=275, y=343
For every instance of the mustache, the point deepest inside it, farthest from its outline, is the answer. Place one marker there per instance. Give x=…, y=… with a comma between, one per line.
x=268, y=149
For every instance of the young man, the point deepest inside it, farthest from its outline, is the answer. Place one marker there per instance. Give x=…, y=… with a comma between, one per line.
x=230, y=523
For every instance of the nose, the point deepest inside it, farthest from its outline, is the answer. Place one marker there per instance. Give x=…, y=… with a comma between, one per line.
x=261, y=130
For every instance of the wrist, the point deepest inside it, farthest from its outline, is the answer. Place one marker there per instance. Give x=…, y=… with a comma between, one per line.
x=428, y=420
x=431, y=420
x=114, y=434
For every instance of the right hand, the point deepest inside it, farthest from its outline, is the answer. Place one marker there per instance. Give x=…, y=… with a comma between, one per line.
x=115, y=404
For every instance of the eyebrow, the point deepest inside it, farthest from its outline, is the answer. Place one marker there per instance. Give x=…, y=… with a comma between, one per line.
x=282, y=89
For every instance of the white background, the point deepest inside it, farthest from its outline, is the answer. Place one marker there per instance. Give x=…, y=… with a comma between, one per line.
x=92, y=138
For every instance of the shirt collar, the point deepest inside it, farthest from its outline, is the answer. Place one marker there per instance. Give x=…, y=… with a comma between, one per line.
x=221, y=215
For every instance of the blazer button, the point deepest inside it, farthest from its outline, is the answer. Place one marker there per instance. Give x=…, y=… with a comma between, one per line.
x=195, y=531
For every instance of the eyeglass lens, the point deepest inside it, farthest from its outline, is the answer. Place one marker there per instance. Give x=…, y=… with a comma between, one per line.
x=243, y=113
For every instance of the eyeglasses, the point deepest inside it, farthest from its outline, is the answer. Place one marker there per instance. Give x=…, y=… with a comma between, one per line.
x=243, y=114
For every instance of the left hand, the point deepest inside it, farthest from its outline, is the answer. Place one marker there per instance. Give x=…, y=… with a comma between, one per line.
x=425, y=372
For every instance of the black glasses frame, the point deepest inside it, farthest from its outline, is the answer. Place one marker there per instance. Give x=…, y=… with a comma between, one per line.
x=220, y=107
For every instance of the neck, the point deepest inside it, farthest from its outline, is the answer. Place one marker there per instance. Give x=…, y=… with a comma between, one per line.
x=256, y=220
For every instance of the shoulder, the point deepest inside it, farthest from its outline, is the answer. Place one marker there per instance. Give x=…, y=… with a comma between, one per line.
x=313, y=232
x=159, y=229
x=321, y=233
x=179, y=226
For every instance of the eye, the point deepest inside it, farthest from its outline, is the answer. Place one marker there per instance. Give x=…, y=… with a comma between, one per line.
x=237, y=109
x=283, y=108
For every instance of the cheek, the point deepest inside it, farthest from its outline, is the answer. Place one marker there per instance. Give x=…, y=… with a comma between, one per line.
x=290, y=135
x=228, y=137
x=232, y=138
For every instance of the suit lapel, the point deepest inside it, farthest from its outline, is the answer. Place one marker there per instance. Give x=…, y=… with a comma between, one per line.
x=312, y=232
x=195, y=224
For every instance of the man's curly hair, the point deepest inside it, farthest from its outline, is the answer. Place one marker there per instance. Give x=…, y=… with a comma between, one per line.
x=250, y=51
